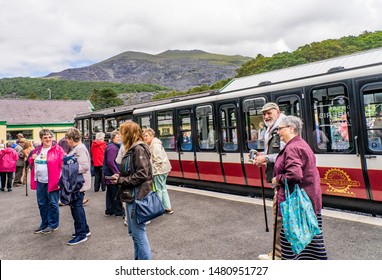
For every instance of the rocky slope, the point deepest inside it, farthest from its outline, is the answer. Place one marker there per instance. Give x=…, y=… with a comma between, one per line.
x=174, y=69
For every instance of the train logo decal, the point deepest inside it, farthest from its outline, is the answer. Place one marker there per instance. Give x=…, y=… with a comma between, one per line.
x=339, y=182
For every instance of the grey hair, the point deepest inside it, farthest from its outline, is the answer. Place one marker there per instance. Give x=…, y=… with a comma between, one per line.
x=113, y=134
x=294, y=122
x=100, y=136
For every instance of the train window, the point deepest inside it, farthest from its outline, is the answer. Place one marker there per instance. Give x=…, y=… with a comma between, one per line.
x=290, y=105
x=254, y=125
x=373, y=119
x=96, y=125
x=86, y=129
x=229, y=127
x=331, y=119
x=79, y=125
x=206, y=128
x=185, y=130
x=165, y=129
x=111, y=124
x=144, y=122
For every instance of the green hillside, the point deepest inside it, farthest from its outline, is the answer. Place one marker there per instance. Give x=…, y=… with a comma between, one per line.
x=309, y=53
x=37, y=88
x=312, y=52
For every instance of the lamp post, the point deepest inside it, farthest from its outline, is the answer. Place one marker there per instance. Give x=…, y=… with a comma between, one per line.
x=50, y=93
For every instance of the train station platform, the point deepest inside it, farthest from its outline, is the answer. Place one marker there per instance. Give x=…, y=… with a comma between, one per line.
x=205, y=226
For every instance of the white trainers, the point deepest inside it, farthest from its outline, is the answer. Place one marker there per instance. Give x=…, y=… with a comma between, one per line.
x=267, y=257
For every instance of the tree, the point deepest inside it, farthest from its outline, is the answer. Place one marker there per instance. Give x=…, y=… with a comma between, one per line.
x=104, y=98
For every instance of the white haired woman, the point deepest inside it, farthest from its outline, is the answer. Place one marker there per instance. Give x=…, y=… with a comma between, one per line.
x=296, y=164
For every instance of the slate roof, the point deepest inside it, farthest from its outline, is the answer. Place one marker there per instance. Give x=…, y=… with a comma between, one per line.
x=28, y=111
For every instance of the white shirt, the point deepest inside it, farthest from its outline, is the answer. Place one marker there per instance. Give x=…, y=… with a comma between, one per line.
x=41, y=166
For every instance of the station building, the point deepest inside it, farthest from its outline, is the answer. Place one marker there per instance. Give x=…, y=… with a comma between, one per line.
x=28, y=116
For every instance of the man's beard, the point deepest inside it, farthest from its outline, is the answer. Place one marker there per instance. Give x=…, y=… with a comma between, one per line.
x=269, y=123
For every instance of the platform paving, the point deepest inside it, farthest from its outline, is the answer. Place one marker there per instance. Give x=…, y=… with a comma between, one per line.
x=205, y=226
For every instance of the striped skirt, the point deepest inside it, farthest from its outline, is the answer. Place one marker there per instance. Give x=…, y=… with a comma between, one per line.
x=314, y=251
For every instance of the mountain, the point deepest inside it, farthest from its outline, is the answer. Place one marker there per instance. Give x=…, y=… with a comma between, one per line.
x=175, y=69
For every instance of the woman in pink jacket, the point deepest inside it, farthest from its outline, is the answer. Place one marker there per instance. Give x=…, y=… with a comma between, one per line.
x=8, y=158
x=46, y=164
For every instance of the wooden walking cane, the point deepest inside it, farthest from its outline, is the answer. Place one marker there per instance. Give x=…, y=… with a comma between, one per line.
x=26, y=181
x=262, y=192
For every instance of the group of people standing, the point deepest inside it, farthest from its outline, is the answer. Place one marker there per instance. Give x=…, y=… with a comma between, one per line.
x=289, y=158
x=147, y=168
x=46, y=163
x=13, y=162
x=143, y=166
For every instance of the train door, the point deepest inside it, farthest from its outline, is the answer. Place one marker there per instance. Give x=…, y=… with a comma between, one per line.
x=165, y=124
x=333, y=137
x=207, y=156
x=228, y=144
x=254, y=128
x=371, y=124
x=185, y=143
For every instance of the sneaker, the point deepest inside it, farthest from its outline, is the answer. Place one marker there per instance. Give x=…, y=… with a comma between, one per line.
x=76, y=240
x=108, y=215
x=87, y=235
x=48, y=230
x=2, y=189
x=39, y=230
x=267, y=257
x=169, y=211
x=9, y=190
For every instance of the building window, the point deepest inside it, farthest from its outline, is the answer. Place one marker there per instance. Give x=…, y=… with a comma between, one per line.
x=12, y=134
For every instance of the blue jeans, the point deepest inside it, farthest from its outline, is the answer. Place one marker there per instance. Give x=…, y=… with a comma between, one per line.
x=48, y=206
x=78, y=213
x=142, y=250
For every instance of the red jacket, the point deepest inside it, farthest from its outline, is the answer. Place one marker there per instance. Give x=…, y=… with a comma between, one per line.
x=98, y=150
x=8, y=158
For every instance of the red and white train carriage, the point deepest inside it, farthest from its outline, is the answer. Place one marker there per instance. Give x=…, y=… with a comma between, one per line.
x=208, y=138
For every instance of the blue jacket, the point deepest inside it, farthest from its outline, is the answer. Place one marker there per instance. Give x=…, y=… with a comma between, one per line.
x=71, y=181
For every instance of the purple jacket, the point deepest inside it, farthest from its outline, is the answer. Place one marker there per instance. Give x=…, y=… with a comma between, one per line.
x=8, y=159
x=297, y=164
x=55, y=161
x=110, y=167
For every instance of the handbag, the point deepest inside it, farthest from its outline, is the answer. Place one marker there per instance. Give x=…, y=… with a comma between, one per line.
x=148, y=208
x=299, y=220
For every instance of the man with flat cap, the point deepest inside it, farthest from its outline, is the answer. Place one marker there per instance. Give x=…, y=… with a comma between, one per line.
x=272, y=146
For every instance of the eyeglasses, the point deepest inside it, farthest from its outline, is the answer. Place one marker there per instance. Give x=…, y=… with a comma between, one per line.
x=281, y=127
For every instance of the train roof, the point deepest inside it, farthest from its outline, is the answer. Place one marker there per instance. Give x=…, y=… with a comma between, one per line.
x=125, y=109
x=346, y=62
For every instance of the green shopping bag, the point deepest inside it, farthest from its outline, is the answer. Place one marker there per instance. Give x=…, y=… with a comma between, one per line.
x=299, y=220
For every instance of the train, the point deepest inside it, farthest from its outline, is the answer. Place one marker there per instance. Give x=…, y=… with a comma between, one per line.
x=208, y=135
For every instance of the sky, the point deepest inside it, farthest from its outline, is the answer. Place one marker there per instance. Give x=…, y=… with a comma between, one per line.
x=38, y=37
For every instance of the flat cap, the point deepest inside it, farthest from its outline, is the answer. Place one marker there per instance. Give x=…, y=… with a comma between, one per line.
x=269, y=106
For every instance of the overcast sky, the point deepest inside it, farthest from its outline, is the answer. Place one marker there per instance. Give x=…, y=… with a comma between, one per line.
x=38, y=37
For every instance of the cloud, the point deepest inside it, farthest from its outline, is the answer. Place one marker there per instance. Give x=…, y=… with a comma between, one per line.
x=42, y=36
